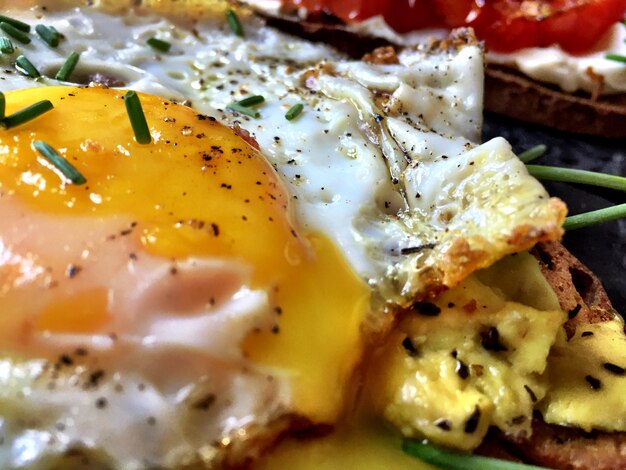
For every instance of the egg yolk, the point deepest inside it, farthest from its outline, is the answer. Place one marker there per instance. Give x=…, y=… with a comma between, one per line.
x=197, y=190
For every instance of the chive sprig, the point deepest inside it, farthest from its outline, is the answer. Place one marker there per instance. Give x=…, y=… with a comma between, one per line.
x=27, y=114
x=50, y=35
x=61, y=164
x=532, y=153
x=615, y=57
x=137, y=118
x=26, y=67
x=244, y=106
x=15, y=33
x=17, y=24
x=608, y=214
x=457, y=461
x=68, y=67
x=294, y=111
x=159, y=44
x=6, y=46
x=571, y=175
x=234, y=23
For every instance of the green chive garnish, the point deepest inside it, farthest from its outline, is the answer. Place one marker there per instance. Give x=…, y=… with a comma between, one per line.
x=243, y=106
x=60, y=163
x=586, y=219
x=159, y=44
x=456, y=461
x=244, y=110
x=294, y=111
x=3, y=105
x=569, y=175
x=6, y=46
x=532, y=153
x=251, y=101
x=15, y=33
x=234, y=23
x=26, y=67
x=27, y=114
x=15, y=23
x=68, y=67
x=616, y=57
x=137, y=118
x=49, y=35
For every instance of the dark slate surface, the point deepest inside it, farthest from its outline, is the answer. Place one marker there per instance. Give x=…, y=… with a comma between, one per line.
x=601, y=247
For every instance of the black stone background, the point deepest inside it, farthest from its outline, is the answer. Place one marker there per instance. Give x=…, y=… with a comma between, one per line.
x=601, y=247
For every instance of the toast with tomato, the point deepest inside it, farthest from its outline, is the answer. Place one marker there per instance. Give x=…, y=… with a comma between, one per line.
x=559, y=63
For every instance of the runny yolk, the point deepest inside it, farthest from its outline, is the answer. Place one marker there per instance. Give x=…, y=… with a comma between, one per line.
x=197, y=190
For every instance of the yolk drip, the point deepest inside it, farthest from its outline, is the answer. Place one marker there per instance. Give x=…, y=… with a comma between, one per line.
x=198, y=190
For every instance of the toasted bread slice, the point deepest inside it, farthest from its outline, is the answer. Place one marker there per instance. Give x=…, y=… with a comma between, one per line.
x=512, y=94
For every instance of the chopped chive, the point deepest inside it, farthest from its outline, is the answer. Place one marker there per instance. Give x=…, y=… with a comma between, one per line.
x=15, y=33
x=532, y=153
x=159, y=44
x=15, y=23
x=616, y=57
x=586, y=219
x=26, y=67
x=6, y=46
x=27, y=114
x=294, y=111
x=68, y=67
x=251, y=101
x=458, y=461
x=3, y=105
x=65, y=168
x=570, y=175
x=49, y=35
x=137, y=118
x=244, y=110
x=234, y=23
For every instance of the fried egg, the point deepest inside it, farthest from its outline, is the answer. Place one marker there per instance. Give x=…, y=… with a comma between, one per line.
x=203, y=293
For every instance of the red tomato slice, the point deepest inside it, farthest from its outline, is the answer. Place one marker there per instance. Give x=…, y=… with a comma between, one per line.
x=505, y=25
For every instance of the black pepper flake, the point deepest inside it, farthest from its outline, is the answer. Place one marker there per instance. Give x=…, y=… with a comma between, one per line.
x=101, y=403
x=275, y=329
x=80, y=352
x=151, y=420
x=450, y=304
x=490, y=340
x=428, y=309
x=586, y=333
x=614, y=368
x=594, y=383
x=518, y=420
x=72, y=271
x=216, y=229
x=94, y=378
x=573, y=312
x=204, y=403
x=416, y=249
x=132, y=256
x=461, y=369
x=378, y=118
x=408, y=345
x=66, y=360
x=532, y=395
x=278, y=310
x=472, y=422
x=443, y=424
